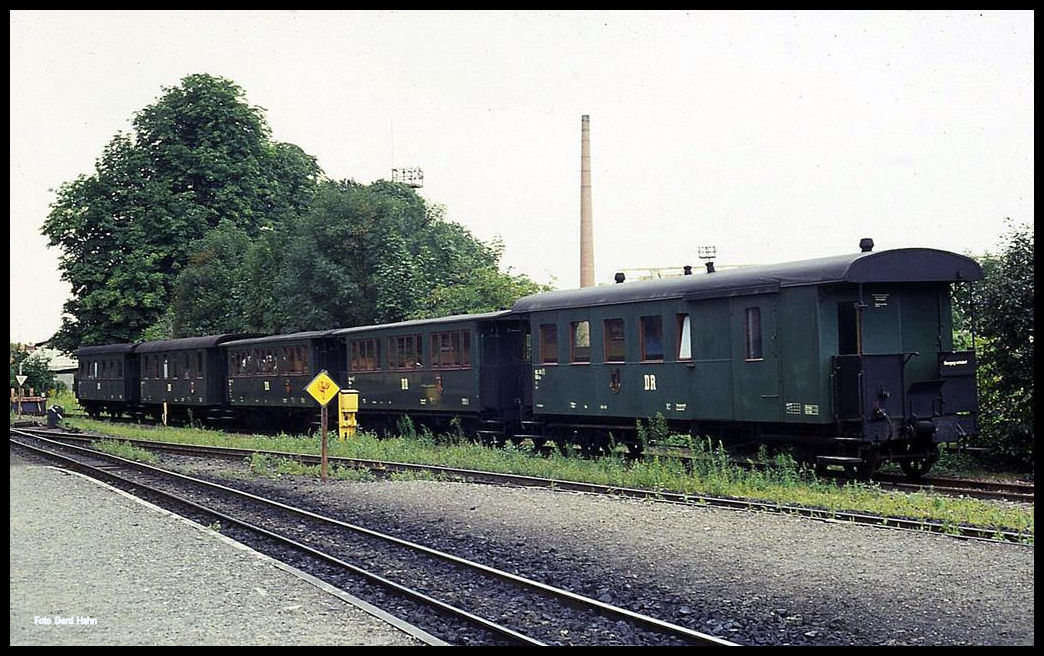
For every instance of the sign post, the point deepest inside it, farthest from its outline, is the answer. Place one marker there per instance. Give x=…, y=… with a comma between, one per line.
x=323, y=389
x=21, y=381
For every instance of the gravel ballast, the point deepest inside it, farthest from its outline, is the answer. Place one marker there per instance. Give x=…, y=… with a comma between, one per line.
x=122, y=573
x=754, y=578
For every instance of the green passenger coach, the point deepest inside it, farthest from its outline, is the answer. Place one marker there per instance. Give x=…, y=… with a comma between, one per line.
x=466, y=368
x=850, y=356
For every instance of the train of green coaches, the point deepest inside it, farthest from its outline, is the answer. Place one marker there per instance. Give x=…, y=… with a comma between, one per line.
x=846, y=361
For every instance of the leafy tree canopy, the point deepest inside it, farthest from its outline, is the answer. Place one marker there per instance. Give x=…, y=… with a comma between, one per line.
x=34, y=365
x=1001, y=309
x=198, y=223
x=199, y=156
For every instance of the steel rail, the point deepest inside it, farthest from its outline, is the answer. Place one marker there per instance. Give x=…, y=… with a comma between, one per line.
x=371, y=576
x=667, y=627
x=964, y=531
x=1018, y=492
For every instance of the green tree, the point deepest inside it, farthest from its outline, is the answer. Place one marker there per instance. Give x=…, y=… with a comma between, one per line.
x=1000, y=309
x=198, y=156
x=377, y=253
x=35, y=366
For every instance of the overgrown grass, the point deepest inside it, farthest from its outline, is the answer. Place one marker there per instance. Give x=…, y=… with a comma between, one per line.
x=783, y=482
x=126, y=450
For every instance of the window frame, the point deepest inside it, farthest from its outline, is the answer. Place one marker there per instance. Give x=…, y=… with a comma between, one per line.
x=607, y=340
x=681, y=319
x=574, y=327
x=359, y=357
x=753, y=336
x=406, y=352
x=553, y=343
x=462, y=338
x=642, y=333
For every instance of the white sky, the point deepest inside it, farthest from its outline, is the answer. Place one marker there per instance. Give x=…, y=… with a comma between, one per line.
x=772, y=135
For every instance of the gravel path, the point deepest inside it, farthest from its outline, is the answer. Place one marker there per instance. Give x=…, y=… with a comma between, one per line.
x=79, y=550
x=754, y=578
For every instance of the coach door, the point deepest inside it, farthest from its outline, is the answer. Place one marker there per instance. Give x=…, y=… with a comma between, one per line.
x=755, y=359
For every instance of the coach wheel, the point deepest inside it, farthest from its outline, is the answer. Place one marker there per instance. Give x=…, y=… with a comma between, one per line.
x=919, y=466
x=865, y=469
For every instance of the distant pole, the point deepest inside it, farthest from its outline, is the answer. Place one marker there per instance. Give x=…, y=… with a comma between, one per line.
x=21, y=381
x=586, y=227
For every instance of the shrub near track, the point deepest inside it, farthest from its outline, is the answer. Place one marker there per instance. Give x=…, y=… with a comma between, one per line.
x=783, y=482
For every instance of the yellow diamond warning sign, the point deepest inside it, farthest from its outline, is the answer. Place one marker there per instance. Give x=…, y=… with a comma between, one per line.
x=322, y=388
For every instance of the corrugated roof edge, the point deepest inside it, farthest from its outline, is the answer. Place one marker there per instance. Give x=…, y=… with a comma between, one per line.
x=308, y=334
x=188, y=343
x=455, y=318
x=898, y=265
x=106, y=348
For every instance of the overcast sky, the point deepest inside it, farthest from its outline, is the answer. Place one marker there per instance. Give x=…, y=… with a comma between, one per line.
x=771, y=135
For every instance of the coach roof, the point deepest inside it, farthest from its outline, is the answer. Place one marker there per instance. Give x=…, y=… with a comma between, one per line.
x=86, y=351
x=899, y=265
x=188, y=343
x=417, y=323
x=302, y=336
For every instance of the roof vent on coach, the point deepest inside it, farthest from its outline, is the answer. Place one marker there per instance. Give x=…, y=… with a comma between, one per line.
x=710, y=267
x=687, y=270
x=619, y=277
x=866, y=244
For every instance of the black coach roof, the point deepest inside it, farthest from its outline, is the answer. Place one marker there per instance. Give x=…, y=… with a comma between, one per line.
x=103, y=350
x=310, y=334
x=188, y=343
x=455, y=318
x=899, y=265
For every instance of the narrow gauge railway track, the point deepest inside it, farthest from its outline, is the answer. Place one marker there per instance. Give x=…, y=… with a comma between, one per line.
x=442, y=583
x=988, y=490
x=978, y=532
x=1019, y=492
x=1022, y=492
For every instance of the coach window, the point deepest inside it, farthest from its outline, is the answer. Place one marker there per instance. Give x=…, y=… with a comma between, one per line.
x=652, y=338
x=365, y=355
x=549, y=343
x=450, y=350
x=418, y=355
x=580, y=341
x=753, y=330
x=614, y=340
x=270, y=365
x=405, y=352
x=199, y=364
x=175, y=367
x=848, y=336
x=684, y=337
